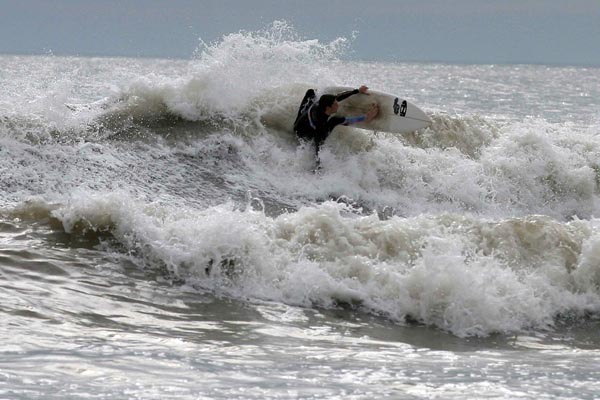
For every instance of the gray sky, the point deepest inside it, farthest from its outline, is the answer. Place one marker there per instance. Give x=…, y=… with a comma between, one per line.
x=458, y=31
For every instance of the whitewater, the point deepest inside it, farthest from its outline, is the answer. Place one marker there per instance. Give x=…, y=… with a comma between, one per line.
x=163, y=233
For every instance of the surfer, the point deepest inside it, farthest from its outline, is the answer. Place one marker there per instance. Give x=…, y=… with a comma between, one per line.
x=315, y=119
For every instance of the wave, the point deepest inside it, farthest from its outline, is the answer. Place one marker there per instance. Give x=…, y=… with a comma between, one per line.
x=468, y=134
x=466, y=275
x=230, y=110
x=460, y=164
x=149, y=110
x=478, y=224
x=230, y=84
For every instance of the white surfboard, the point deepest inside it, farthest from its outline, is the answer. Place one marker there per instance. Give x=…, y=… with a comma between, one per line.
x=396, y=115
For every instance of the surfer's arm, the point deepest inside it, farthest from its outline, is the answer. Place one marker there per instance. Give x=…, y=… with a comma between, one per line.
x=367, y=117
x=355, y=120
x=345, y=95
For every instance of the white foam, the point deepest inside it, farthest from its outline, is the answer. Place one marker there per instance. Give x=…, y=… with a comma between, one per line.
x=459, y=274
x=225, y=79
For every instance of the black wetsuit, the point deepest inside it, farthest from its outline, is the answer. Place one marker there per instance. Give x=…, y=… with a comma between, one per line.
x=313, y=124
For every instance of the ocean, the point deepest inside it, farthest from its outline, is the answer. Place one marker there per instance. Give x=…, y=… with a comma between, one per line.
x=163, y=234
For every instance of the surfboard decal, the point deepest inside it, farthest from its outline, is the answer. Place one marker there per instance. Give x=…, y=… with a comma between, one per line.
x=400, y=109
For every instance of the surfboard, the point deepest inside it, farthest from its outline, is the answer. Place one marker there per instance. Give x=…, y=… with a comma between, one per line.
x=396, y=115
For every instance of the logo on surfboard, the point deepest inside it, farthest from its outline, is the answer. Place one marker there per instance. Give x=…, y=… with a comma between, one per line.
x=400, y=109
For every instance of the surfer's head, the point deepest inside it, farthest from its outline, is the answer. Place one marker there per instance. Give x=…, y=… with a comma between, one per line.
x=328, y=104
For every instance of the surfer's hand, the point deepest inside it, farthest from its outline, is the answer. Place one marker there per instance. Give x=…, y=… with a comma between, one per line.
x=363, y=89
x=372, y=113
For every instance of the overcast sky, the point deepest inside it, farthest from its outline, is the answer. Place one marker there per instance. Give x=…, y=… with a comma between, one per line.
x=565, y=32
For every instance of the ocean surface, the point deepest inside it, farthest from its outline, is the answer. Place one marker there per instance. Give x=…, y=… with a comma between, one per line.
x=163, y=234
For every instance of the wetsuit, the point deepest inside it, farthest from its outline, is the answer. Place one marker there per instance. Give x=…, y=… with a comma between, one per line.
x=313, y=124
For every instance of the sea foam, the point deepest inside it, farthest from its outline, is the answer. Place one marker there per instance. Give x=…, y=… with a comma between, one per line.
x=465, y=275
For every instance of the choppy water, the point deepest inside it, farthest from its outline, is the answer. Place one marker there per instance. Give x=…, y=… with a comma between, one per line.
x=162, y=234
